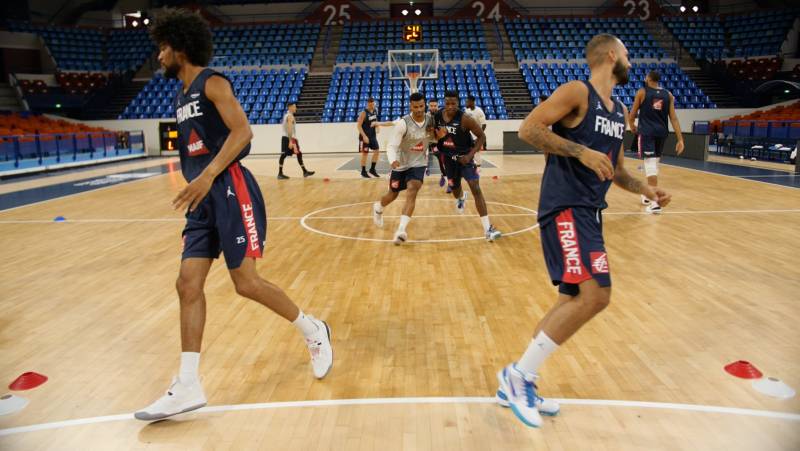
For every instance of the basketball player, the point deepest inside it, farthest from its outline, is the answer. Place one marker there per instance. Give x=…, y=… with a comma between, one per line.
x=477, y=113
x=453, y=129
x=654, y=104
x=584, y=154
x=367, y=137
x=407, y=153
x=289, y=144
x=225, y=209
x=433, y=151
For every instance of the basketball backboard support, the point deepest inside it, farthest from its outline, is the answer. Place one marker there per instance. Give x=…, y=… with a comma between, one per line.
x=413, y=65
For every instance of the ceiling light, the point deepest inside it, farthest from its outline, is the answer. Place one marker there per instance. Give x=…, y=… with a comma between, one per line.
x=146, y=21
x=135, y=23
x=417, y=12
x=695, y=8
x=405, y=12
x=683, y=9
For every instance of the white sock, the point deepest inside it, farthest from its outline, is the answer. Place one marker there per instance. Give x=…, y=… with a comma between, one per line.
x=541, y=347
x=190, y=362
x=378, y=207
x=305, y=324
x=486, y=223
x=404, y=220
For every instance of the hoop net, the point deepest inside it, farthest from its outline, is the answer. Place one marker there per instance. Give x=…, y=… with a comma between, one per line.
x=412, y=81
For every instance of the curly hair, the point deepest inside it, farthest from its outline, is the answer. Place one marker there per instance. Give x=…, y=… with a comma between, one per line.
x=184, y=31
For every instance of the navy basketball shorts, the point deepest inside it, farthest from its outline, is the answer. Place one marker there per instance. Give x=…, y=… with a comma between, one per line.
x=232, y=219
x=285, y=146
x=455, y=171
x=398, y=180
x=573, y=248
x=366, y=147
x=651, y=146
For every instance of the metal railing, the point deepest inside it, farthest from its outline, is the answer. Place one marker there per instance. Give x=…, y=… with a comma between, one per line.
x=499, y=38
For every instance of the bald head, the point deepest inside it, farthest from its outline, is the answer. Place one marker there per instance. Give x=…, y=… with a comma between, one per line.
x=598, y=47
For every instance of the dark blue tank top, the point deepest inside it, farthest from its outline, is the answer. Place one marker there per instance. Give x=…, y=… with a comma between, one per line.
x=568, y=183
x=458, y=140
x=369, y=118
x=201, y=131
x=653, y=112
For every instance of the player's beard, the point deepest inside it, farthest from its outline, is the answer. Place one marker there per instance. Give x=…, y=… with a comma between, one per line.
x=171, y=71
x=620, y=73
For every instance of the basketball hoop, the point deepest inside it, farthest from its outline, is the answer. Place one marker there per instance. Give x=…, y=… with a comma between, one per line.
x=413, y=79
x=413, y=66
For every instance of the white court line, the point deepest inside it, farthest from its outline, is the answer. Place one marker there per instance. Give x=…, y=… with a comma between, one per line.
x=429, y=400
x=380, y=240
x=296, y=218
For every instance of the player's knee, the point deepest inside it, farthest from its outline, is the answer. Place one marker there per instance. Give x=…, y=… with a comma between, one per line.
x=476, y=189
x=597, y=301
x=189, y=289
x=246, y=288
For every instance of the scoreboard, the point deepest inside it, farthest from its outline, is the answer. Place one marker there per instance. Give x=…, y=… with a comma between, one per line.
x=412, y=33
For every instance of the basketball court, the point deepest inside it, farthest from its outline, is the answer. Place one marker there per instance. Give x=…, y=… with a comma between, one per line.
x=90, y=303
x=703, y=292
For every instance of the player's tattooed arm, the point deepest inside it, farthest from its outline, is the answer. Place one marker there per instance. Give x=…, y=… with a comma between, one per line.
x=541, y=137
x=567, y=99
x=626, y=181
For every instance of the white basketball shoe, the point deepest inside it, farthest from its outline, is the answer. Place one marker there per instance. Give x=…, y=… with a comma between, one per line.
x=319, y=346
x=180, y=398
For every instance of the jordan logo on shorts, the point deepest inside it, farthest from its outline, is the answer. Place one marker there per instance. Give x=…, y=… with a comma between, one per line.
x=230, y=193
x=599, y=262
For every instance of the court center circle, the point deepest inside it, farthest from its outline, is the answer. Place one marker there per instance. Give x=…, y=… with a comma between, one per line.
x=305, y=225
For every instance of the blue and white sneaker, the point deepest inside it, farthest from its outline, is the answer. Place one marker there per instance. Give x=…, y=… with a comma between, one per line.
x=493, y=234
x=461, y=202
x=546, y=407
x=520, y=392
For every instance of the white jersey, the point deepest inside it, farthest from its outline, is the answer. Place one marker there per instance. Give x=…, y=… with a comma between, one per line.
x=285, y=124
x=409, y=143
x=477, y=114
x=480, y=117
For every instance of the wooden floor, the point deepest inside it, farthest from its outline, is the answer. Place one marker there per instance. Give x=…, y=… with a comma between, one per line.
x=91, y=304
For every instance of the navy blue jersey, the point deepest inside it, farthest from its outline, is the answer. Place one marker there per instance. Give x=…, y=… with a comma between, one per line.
x=458, y=140
x=369, y=119
x=653, y=112
x=568, y=183
x=201, y=131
